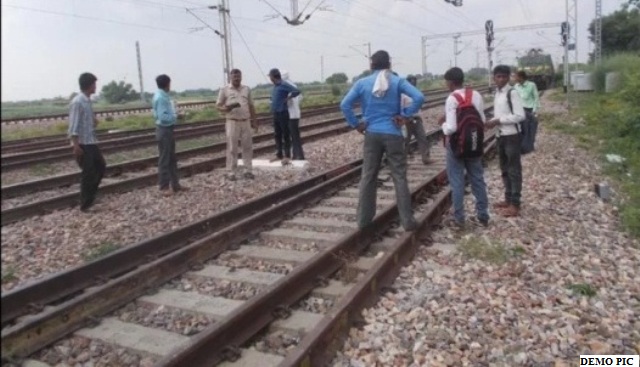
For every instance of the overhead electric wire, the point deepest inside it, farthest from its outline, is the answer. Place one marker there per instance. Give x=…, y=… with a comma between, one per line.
x=248, y=48
x=51, y=12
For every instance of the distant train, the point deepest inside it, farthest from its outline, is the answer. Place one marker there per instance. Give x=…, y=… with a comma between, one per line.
x=539, y=68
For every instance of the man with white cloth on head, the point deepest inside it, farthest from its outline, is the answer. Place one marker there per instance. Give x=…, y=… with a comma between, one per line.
x=294, y=120
x=379, y=96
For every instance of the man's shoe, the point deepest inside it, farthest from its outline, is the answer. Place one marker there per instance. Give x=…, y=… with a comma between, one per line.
x=454, y=224
x=484, y=222
x=286, y=161
x=274, y=159
x=181, y=188
x=510, y=211
x=86, y=208
x=249, y=176
x=501, y=205
x=166, y=192
x=231, y=177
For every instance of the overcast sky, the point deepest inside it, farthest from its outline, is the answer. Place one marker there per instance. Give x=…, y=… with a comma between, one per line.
x=46, y=44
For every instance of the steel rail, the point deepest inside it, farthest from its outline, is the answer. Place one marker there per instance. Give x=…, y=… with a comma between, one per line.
x=23, y=188
x=70, y=200
x=56, y=286
x=34, y=332
x=319, y=345
x=41, y=207
x=62, y=139
x=208, y=347
x=123, y=111
x=63, y=151
x=56, y=321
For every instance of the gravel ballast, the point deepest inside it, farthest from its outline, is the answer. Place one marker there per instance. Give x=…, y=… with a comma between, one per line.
x=541, y=289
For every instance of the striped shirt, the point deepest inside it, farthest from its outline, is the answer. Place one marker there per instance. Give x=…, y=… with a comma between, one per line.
x=82, y=120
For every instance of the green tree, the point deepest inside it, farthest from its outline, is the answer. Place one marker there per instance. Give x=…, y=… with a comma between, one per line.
x=362, y=75
x=120, y=92
x=619, y=30
x=337, y=78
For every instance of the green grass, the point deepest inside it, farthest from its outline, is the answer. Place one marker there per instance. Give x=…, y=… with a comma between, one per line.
x=582, y=289
x=99, y=251
x=483, y=248
x=8, y=274
x=609, y=123
x=488, y=250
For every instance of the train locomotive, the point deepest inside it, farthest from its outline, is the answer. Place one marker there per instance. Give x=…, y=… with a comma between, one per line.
x=539, y=68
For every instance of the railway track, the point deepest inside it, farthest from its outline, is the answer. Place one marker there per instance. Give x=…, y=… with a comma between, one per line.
x=61, y=140
x=263, y=145
x=34, y=145
x=100, y=114
x=312, y=254
x=123, y=111
x=62, y=152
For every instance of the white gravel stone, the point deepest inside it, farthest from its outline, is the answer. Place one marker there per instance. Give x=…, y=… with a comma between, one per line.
x=520, y=311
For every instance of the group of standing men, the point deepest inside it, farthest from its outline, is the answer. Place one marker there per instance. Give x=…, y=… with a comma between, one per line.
x=390, y=103
x=234, y=101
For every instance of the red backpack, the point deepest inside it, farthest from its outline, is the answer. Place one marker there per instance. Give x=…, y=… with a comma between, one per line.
x=467, y=141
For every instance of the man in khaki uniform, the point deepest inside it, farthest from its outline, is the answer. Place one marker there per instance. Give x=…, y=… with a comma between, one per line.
x=234, y=101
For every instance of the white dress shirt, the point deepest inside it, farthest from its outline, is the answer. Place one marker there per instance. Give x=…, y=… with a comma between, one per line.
x=451, y=110
x=508, y=119
x=293, y=105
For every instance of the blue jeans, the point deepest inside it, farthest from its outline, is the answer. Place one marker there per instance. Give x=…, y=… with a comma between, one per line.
x=455, y=172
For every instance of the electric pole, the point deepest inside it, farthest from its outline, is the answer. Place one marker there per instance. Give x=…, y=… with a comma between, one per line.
x=488, y=27
x=225, y=36
x=566, y=36
x=322, y=69
x=225, y=24
x=423, y=48
x=140, y=71
x=456, y=41
x=598, y=33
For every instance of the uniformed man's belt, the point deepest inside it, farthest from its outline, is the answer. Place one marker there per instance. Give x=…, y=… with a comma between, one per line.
x=234, y=119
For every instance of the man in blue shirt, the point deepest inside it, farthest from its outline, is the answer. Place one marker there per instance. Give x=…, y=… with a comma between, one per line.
x=166, y=118
x=379, y=95
x=280, y=95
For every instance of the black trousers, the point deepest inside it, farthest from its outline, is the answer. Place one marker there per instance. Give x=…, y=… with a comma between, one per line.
x=296, y=141
x=93, y=166
x=167, y=161
x=511, y=167
x=282, y=134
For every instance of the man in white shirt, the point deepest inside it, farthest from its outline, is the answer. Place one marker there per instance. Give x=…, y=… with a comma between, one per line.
x=294, y=120
x=507, y=117
x=456, y=167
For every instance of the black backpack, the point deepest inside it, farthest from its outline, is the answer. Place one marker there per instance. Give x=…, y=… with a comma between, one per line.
x=526, y=129
x=467, y=141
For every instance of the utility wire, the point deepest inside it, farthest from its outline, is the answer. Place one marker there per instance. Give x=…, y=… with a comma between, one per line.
x=206, y=24
x=248, y=48
x=98, y=19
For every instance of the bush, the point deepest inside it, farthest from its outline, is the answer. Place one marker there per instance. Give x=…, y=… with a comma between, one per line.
x=335, y=91
x=627, y=64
